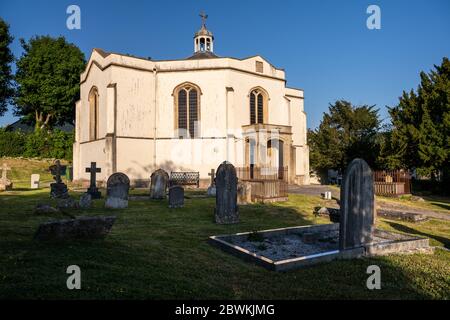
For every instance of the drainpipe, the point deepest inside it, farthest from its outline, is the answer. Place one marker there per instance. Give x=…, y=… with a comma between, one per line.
x=155, y=86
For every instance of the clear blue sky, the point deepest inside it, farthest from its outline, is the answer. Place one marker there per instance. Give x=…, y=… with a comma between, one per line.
x=324, y=46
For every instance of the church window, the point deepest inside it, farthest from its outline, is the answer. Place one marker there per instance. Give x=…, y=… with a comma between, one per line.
x=187, y=111
x=93, y=114
x=259, y=67
x=258, y=106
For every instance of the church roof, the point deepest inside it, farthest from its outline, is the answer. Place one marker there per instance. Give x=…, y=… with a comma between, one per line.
x=202, y=55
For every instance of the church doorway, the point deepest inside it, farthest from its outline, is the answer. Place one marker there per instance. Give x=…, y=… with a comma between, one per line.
x=275, y=155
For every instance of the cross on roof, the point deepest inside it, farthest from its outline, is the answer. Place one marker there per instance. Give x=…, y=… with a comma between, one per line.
x=5, y=169
x=204, y=17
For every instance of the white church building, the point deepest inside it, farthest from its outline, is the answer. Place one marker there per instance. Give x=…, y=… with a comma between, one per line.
x=136, y=115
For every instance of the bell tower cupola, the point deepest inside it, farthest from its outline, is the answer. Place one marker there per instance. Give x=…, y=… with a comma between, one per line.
x=203, y=39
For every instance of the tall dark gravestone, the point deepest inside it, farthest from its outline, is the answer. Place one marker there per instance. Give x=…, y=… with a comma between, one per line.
x=357, y=206
x=159, y=182
x=58, y=189
x=117, y=188
x=93, y=190
x=226, y=211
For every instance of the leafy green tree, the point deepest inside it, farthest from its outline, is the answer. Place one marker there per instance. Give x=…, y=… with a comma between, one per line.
x=346, y=132
x=6, y=58
x=48, y=76
x=421, y=124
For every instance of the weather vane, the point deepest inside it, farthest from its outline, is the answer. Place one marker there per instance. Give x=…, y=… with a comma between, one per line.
x=204, y=17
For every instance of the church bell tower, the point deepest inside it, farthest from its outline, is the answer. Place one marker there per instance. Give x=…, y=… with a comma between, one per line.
x=203, y=39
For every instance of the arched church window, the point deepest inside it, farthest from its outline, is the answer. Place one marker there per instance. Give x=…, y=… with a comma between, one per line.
x=258, y=106
x=93, y=114
x=187, y=110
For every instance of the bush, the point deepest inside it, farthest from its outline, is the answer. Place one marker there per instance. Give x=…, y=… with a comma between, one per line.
x=38, y=144
x=12, y=144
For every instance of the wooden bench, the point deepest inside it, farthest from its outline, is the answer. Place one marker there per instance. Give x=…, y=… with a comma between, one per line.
x=184, y=179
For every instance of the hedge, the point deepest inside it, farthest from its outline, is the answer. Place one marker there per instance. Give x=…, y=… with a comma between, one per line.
x=39, y=144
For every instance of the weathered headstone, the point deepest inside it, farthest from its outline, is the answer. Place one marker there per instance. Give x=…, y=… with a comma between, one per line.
x=357, y=206
x=79, y=228
x=211, y=192
x=5, y=183
x=176, y=197
x=35, y=179
x=85, y=201
x=244, y=192
x=158, y=184
x=226, y=211
x=117, y=188
x=93, y=190
x=58, y=189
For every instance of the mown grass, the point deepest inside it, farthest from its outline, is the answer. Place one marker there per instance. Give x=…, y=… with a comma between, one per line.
x=154, y=252
x=22, y=169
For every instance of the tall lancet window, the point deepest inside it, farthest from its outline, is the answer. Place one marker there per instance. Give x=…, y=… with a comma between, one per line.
x=258, y=106
x=93, y=114
x=187, y=110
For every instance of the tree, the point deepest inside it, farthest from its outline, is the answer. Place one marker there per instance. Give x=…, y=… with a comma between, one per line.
x=346, y=132
x=48, y=77
x=421, y=124
x=6, y=58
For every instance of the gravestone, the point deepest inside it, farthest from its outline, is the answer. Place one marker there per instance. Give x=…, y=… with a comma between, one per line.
x=211, y=192
x=176, y=197
x=58, y=189
x=357, y=206
x=35, y=179
x=79, y=228
x=85, y=201
x=244, y=192
x=159, y=181
x=117, y=188
x=226, y=210
x=5, y=183
x=93, y=190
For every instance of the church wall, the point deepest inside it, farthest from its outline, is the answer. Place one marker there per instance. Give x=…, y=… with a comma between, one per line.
x=212, y=101
x=87, y=152
x=91, y=152
x=135, y=157
x=191, y=155
x=135, y=100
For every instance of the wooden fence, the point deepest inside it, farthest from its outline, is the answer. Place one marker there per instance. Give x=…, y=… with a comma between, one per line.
x=392, y=182
x=267, y=183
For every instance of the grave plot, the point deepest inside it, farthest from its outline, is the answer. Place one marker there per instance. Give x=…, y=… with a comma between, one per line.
x=354, y=236
x=291, y=248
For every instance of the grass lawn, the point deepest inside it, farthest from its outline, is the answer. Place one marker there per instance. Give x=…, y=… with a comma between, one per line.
x=158, y=253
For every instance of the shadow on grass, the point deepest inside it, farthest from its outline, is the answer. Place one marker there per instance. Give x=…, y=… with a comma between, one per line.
x=403, y=228
x=154, y=252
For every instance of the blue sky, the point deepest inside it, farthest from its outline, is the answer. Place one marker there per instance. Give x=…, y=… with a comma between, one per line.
x=324, y=46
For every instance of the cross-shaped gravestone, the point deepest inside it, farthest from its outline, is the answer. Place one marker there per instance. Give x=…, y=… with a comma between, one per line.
x=58, y=189
x=57, y=171
x=93, y=190
x=212, y=175
x=5, y=169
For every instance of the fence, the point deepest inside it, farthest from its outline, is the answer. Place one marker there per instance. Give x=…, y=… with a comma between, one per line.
x=267, y=183
x=262, y=173
x=392, y=182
